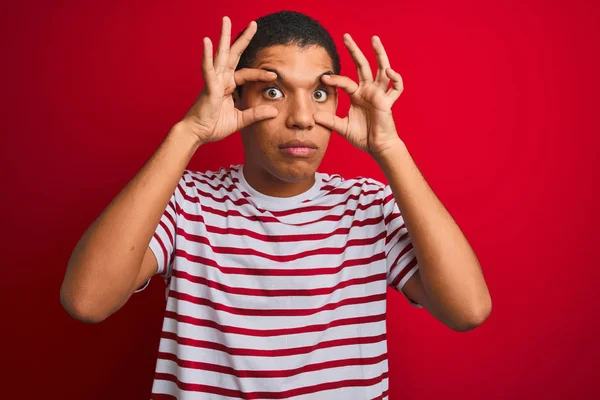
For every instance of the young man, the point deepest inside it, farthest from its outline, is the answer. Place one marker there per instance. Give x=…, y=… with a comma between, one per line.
x=276, y=273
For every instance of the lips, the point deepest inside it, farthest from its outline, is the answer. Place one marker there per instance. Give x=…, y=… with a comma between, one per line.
x=299, y=143
x=298, y=148
x=298, y=151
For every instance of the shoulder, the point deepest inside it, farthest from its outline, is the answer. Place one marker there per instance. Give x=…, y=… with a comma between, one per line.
x=210, y=180
x=361, y=186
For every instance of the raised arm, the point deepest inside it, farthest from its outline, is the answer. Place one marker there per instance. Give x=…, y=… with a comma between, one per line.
x=112, y=259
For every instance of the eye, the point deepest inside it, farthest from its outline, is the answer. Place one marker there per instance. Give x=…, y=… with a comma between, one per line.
x=272, y=93
x=320, y=95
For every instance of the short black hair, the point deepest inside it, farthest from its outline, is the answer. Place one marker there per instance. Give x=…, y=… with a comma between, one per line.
x=287, y=28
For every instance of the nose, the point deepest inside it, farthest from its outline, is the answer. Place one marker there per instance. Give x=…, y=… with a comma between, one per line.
x=300, y=115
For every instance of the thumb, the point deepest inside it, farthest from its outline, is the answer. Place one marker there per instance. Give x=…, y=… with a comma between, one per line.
x=255, y=114
x=332, y=121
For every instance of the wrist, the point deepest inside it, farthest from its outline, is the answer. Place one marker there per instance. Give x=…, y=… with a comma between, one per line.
x=390, y=151
x=182, y=133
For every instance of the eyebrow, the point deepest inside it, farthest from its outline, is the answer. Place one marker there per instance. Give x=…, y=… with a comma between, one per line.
x=280, y=76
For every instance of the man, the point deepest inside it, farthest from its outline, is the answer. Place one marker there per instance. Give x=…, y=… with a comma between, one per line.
x=276, y=273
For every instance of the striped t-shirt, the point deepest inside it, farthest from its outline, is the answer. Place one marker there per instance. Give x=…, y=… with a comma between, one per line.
x=277, y=298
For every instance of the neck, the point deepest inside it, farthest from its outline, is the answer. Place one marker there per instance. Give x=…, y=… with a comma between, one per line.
x=264, y=182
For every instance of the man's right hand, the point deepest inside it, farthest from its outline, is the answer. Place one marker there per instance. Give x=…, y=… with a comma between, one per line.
x=214, y=115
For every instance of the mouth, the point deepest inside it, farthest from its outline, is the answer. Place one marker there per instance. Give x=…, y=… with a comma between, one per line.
x=298, y=148
x=298, y=151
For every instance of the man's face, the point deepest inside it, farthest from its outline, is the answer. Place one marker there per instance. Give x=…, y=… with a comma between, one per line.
x=297, y=94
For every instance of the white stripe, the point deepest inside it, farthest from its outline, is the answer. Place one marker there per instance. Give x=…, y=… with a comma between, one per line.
x=303, y=380
x=275, y=322
x=349, y=393
x=358, y=251
x=281, y=282
x=239, y=341
x=281, y=363
x=279, y=303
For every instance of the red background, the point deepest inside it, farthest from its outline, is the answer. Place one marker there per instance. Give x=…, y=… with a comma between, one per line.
x=499, y=112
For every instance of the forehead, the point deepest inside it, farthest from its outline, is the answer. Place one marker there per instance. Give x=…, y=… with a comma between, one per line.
x=294, y=61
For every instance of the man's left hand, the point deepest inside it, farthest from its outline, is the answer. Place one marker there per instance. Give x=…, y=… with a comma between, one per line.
x=369, y=125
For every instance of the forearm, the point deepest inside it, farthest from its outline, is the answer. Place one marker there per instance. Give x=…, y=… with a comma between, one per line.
x=450, y=272
x=105, y=263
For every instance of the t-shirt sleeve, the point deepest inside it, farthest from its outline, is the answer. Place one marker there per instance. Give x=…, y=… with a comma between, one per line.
x=162, y=243
x=399, y=252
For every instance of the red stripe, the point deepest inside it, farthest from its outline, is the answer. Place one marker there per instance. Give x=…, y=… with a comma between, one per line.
x=183, y=192
x=391, y=217
x=170, y=204
x=221, y=174
x=227, y=213
x=224, y=199
x=381, y=396
x=281, y=238
x=272, y=353
x=209, y=323
x=272, y=238
x=403, y=273
x=375, y=202
x=217, y=188
x=344, y=203
x=283, y=312
x=280, y=271
x=321, y=366
x=244, y=201
x=162, y=246
x=169, y=216
x=173, y=204
x=168, y=232
x=392, y=235
x=405, y=250
x=227, y=174
x=245, y=251
x=332, y=177
x=332, y=190
x=344, y=190
x=278, y=292
x=357, y=182
x=194, y=387
x=388, y=198
x=268, y=219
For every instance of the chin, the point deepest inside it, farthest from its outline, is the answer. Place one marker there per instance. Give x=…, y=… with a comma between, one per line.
x=297, y=171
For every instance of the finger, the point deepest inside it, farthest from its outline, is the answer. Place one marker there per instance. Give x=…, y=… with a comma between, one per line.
x=332, y=121
x=362, y=65
x=397, y=84
x=208, y=70
x=240, y=45
x=255, y=114
x=252, y=75
x=382, y=62
x=224, y=42
x=342, y=82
